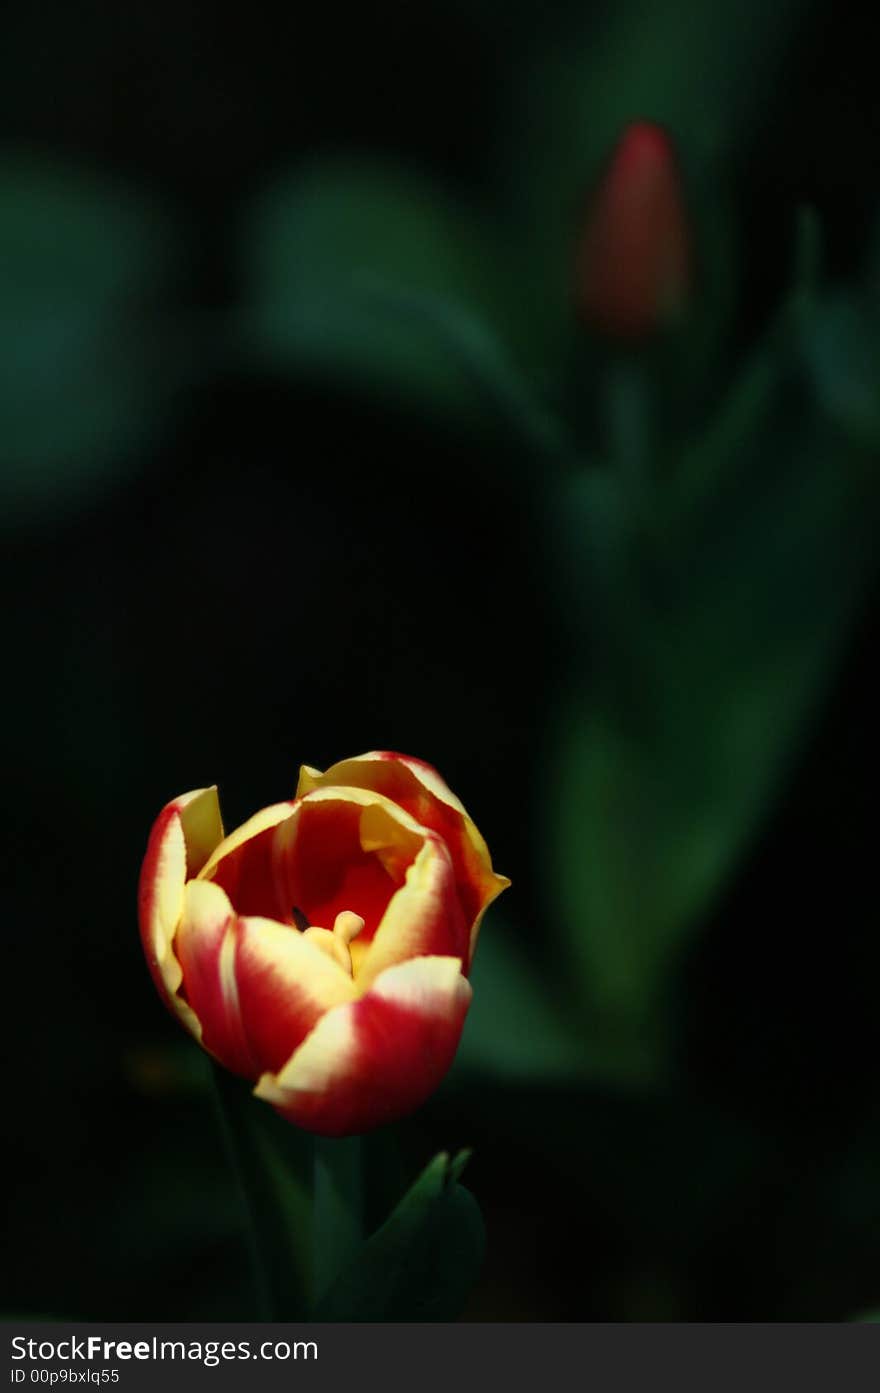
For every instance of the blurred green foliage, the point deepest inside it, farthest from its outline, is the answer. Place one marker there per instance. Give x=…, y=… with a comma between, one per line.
x=303, y=452
x=724, y=582
x=82, y=266
x=328, y=247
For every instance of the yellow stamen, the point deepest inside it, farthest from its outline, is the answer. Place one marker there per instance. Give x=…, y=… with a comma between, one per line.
x=346, y=927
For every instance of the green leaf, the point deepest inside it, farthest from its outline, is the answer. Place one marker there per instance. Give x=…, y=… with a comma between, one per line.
x=337, y=1207
x=421, y=1264
x=80, y=374
x=369, y=274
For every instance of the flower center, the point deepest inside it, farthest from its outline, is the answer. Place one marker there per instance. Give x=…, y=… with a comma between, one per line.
x=335, y=943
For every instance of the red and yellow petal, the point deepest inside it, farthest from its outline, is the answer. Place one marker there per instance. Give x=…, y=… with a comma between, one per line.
x=375, y=1059
x=417, y=788
x=346, y=849
x=245, y=864
x=257, y=987
x=181, y=841
x=285, y=986
x=206, y=944
x=423, y=918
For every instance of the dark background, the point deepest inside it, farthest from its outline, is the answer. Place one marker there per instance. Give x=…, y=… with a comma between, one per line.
x=249, y=564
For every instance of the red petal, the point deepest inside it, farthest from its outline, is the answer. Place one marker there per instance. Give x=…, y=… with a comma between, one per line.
x=424, y=918
x=634, y=263
x=379, y=1058
x=417, y=788
x=246, y=865
x=347, y=849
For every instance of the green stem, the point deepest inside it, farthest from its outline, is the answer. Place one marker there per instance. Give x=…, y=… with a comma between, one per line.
x=267, y=1156
x=337, y=1214
x=628, y=426
x=236, y=1151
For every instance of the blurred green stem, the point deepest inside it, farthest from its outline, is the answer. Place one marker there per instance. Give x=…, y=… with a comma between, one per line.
x=628, y=423
x=337, y=1198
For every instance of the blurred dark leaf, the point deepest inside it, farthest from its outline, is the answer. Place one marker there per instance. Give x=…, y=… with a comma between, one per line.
x=842, y=351
x=172, y=1221
x=848, y=1189
x=421, y=1264
x=506, y=395
x=80, y=263
x=721, y=626
x=662, y=1167
x=371, y=274
x=517, y=1027
x=687, y=362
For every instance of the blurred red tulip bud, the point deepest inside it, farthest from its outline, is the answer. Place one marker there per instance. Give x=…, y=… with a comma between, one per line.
x=634, y=257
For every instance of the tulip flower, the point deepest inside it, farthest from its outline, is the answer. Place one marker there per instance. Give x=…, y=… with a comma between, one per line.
x=322, y=949
x=634, y=259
